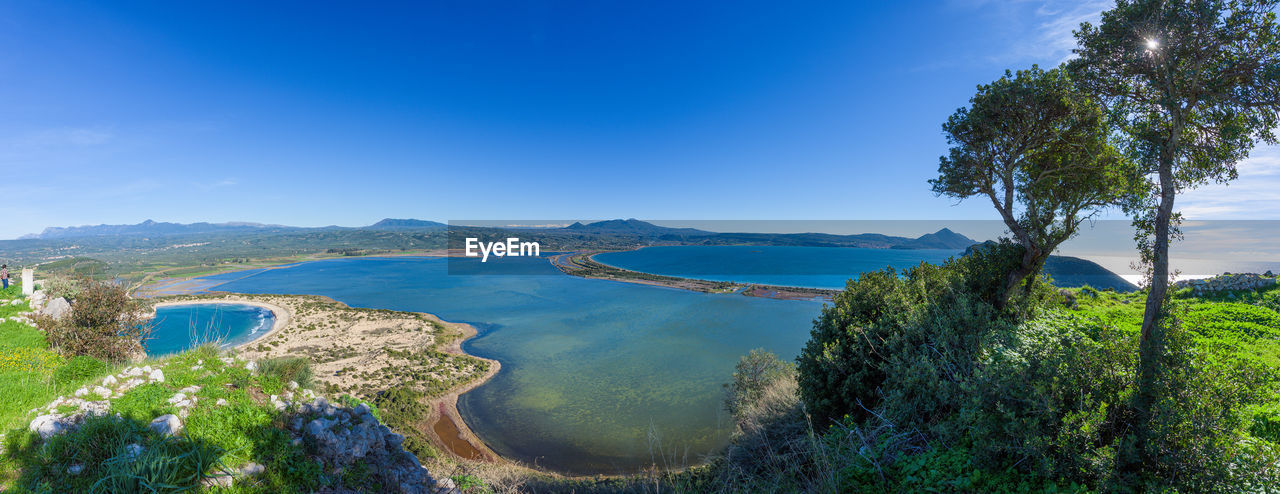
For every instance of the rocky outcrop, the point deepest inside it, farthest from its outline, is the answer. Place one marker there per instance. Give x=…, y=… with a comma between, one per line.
x=1228, y=282
x=341, y=436
x=56, y=308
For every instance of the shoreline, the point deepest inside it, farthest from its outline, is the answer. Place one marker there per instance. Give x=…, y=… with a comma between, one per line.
x=445, y=407
x=439, y=408
x=281, y=315
x=583, y=265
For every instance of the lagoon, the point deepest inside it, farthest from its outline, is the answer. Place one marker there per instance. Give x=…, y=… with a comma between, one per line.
x=810, y=267
x=597, y=376
x=180, y=327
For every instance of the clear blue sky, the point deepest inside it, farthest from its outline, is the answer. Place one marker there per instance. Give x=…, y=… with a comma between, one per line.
x=314, y=114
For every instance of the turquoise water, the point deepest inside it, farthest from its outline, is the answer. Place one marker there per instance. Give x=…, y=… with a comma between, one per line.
x=815, y=267
x=597, y=376
x=179, y=327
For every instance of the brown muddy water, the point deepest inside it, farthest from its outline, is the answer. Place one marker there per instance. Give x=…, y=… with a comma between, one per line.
x=449, y=433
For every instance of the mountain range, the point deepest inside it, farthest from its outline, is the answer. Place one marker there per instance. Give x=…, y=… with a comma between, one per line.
x=628, y=230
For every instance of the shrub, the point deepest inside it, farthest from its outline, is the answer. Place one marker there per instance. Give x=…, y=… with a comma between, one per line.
x=905, y=343
x=1045, y=396
x=60, y=286
x=754, y=373
x=401, y=409
x=103, y=323
x=79, y=369
x=285, y=369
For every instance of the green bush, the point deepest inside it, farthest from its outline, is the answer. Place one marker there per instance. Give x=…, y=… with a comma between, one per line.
x=401, y=409
x=285, y=369
x=754, y=373
x=79, y=369
x=1045, y=396
x=904, y=344
x=1265, y=421
x=60, y=286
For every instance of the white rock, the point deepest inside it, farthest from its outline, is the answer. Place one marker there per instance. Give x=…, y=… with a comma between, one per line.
x=293, y=385
x=101, y=391
x=146, y=370
x=81, y=392
x=251, y=365
x=75, y=469
x=109, y=381
x=156, y=375
x=252, y=469
x=220, y=402
x=166, y=425
x=57, y=308
x=190, y=390
x=47, y=426
x=218, y=481
x=173, y=400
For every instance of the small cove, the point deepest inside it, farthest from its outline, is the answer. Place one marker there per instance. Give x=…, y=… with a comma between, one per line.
x=179, y=327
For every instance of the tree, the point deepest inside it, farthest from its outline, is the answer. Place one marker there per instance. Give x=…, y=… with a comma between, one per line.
x=1038, y=149
x=1194, y=86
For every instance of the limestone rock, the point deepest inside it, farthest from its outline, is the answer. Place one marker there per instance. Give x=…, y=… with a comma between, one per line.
x=48, y=426
x=252, y=469
x=167, y=425
x=56, y=308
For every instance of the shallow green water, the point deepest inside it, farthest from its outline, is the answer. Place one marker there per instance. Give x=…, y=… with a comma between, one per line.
x=597, y=376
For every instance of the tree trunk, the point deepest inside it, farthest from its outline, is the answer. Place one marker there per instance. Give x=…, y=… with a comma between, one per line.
x=1151, y=347
x=1032, y=260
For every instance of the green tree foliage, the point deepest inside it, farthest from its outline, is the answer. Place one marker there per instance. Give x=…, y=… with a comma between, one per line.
x=1193, y=84
x=901, y=345
x=754, y=373
x=1038, y=149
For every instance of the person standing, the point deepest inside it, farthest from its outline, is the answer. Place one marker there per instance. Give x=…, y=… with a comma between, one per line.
x=4, y=275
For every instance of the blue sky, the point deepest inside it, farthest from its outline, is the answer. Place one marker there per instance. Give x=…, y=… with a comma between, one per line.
x=314, y=114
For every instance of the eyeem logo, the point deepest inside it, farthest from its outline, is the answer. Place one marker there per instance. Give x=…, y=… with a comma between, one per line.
x=513, y=247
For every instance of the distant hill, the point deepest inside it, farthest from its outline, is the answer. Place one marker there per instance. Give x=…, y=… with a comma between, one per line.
x=633, y=226
x=405, y=224
x=1074, y=272
x=151, y=228
x=942, y=239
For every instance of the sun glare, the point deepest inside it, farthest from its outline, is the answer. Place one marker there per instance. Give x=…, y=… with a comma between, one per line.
x=1153, y=44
